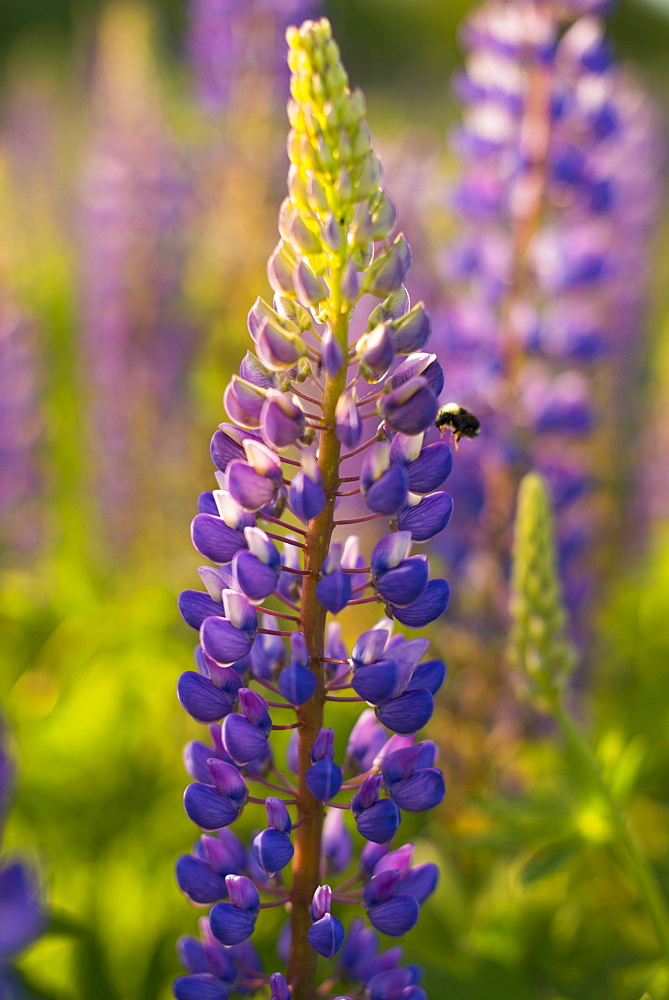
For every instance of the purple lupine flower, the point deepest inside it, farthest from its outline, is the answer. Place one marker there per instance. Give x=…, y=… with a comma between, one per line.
x=22, y=915
x=136, y=345
x=278, y=533
x=20, y=475
x=547, y=275
x=231, y=41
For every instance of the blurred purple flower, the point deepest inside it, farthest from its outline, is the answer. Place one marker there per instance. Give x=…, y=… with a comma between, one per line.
x=133, y=205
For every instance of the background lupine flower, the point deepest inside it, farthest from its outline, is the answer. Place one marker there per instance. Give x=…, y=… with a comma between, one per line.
x=231, y=41
x=21, y=479
x=557, y=200
x=297, y=410
x=22, y=374
x=136, y=344
x=22, y=914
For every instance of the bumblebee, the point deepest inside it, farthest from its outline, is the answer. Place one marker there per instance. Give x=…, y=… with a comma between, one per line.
x=460, y=422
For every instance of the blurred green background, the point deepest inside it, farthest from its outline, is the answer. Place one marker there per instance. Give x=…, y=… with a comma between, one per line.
x=533, y=901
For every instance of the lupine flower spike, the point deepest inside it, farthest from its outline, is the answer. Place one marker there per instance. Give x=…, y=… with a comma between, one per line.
x=538, y=647
x=308, y=398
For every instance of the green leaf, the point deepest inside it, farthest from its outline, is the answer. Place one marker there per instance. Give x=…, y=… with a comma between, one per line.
x=548, y=859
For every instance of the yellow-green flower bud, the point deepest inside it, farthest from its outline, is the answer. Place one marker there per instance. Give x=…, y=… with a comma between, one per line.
x=329, y=143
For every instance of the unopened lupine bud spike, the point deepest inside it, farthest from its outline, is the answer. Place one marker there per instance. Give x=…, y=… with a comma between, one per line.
x=537, y=646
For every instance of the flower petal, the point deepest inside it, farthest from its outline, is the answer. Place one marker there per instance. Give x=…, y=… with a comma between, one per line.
x=207, y=809
x=255, y=578
x=22, y=916
x=192, y=954
x=405, y=583
x=297, y=683
x=324, y=779
x=430, y=675
x=411, y=408
x=231, y=925
x=326, y=936
x=214, y=539
x=272, y=851
x=427, y=518
x=395, y=917
x=406, y=714
x=243, y=741
x=369, y=646
x=202, y=699
x=390, y=552
x=196, y=605
x=387, y=495
x=420, y=881
x=249, y=488
x=334, y=591
x=379, y=823
x=431, y=468
x=424, y=790
x=430, y=605
x=196, y=754
x=223, y=642
x=306, y=497
x=198, y=881
x=226, y=445
x=200, y=986
x=375, y=682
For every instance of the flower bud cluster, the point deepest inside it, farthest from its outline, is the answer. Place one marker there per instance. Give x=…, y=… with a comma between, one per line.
x=281, y=559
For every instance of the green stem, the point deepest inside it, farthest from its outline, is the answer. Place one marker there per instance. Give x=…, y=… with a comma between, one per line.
x=302, y=960
x=638, y=862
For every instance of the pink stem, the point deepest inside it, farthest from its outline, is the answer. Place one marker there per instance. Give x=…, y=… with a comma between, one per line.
x=285, y=600
x=306, y=397
x=361, y=447
x=278, y=614
x=261, y=802
x=288, y=541
x=282, y=524
x=359, y=520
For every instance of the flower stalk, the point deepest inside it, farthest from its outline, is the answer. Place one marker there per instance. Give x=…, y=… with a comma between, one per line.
x=303, y=959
